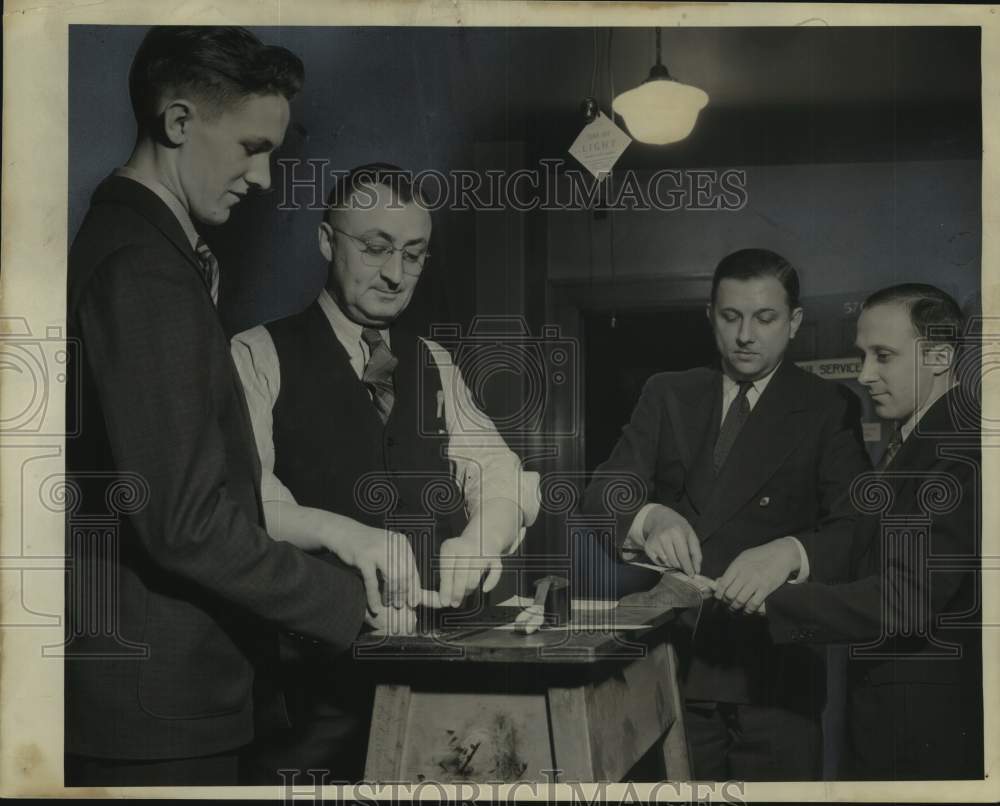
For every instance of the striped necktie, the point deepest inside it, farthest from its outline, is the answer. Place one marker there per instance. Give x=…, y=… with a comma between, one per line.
x=378, y=372
x=736, y=417
x=209, y=268
x=895, y=443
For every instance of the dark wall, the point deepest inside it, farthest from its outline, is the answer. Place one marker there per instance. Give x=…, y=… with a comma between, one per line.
x=792, y=106
x=411, y=97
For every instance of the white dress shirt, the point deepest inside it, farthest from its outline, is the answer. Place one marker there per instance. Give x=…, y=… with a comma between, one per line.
x=482, y=465
x=730, y=389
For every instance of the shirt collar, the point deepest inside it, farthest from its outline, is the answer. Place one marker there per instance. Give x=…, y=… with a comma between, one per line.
x=168, y=198
x=759, y=385
x=347, y=332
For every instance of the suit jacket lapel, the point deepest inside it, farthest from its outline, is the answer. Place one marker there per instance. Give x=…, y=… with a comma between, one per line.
x=940, y=426
x=121, y=190
x=766, y=440
x=919, y=450
x=695, y=411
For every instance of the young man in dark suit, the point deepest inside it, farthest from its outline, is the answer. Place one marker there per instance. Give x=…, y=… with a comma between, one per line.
x=731, y=457
x=905, y=595
x=169, y=623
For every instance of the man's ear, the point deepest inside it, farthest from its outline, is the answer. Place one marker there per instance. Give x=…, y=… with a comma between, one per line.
x=177, y=117
x=939, y=357
x=795, y=322
x=325, y=234
x=708, y=312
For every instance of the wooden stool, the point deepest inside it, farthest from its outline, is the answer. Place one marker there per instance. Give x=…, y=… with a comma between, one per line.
x=555, y=706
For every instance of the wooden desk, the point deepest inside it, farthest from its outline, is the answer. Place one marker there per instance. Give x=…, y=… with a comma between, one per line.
x=489, y=704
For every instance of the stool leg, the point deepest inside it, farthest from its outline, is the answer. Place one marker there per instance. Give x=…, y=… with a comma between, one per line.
x=568, y=721
x=676, y=754
x=388, y=732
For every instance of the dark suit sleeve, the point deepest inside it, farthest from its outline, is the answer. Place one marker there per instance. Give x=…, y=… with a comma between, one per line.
x=147, y=333
x=843, y=457
x=895, y=590
x=621, y=484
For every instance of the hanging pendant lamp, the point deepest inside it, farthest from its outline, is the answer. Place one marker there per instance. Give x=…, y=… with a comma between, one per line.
x=660, y=110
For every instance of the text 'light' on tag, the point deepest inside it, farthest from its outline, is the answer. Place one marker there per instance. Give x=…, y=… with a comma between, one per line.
x=599, y=145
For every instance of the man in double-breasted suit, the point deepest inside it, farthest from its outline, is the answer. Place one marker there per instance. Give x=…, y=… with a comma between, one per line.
x=169, y=623
x=733, y=457
x=904, y=591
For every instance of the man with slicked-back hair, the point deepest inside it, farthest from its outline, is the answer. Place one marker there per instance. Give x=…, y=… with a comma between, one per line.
x=733, y=456
x=904, y=592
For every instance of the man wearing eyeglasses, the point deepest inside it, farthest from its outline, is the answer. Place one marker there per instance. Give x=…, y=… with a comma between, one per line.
x=355, y=419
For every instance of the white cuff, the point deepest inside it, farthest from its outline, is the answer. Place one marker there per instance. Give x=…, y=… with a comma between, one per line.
x=634, y=536
x=803, y=573
x=530, y=501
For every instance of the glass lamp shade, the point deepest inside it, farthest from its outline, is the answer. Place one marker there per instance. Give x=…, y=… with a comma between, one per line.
x=660, y=110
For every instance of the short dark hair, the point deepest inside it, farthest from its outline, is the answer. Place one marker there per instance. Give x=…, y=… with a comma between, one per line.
x=749, y=263
x=935, y=315
x=221, y=64
x=397, y=179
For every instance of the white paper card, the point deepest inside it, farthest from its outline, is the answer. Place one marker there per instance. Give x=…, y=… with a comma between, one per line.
x=599, y=145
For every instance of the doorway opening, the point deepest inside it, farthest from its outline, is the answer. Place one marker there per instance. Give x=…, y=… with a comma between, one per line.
x=620, y=359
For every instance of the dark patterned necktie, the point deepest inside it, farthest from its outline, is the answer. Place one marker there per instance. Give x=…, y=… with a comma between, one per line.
x=736, y=417
x=378, y=372
x=209, y=268
x=895, y=443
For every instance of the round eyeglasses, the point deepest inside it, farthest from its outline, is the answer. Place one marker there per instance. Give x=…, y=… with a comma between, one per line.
x=376, y=252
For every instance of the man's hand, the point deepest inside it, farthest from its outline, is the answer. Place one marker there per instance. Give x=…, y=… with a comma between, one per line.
x=379, y=552
x=669, y=540
x=393, y=620
x=492, y=530
x=756, y=573
x=705, y=586
x=463, y=565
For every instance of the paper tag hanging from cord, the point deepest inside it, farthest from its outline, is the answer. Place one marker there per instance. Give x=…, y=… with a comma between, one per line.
x=599, y=146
